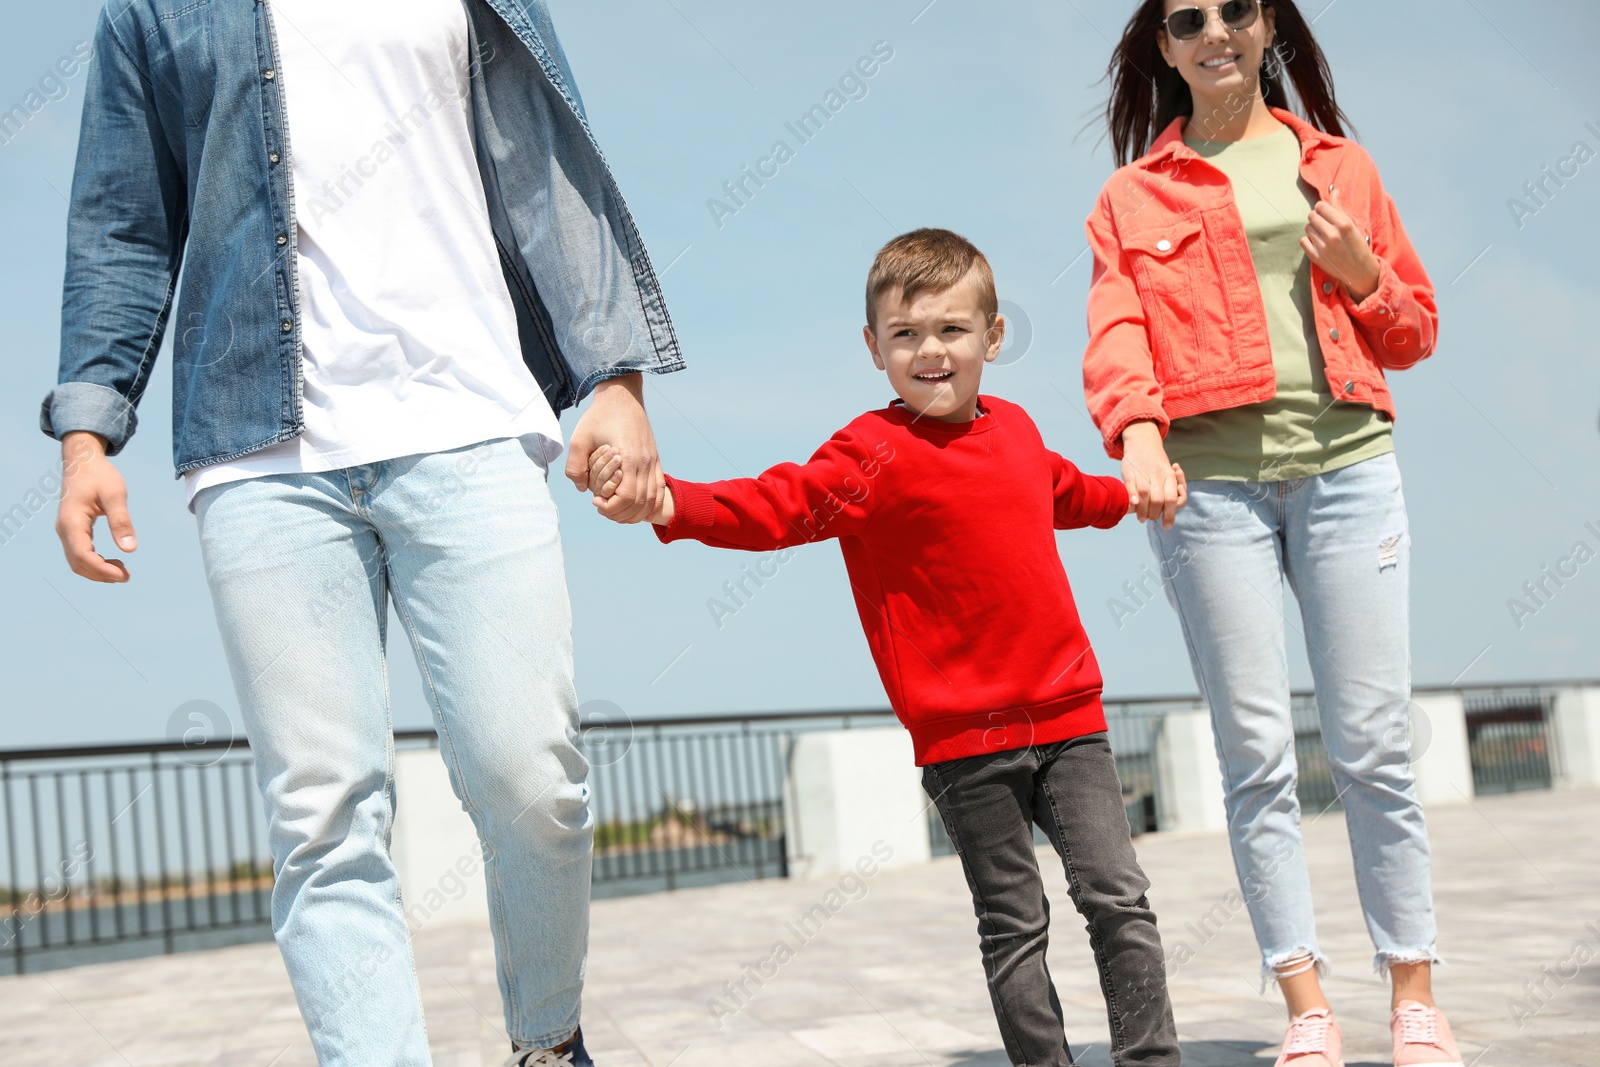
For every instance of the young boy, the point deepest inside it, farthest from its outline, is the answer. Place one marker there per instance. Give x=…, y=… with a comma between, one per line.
x=945, y=504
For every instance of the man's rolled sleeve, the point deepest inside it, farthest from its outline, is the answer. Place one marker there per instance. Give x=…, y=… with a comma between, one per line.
x=98, y=409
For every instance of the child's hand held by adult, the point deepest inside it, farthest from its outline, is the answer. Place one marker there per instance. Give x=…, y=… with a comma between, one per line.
x=615, y=509
x=605, y=479
x=605, y=472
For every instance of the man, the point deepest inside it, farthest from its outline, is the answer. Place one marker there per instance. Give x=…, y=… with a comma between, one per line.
x=402, y=255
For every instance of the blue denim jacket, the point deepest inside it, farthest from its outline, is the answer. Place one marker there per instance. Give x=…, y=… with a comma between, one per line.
x=185, y=146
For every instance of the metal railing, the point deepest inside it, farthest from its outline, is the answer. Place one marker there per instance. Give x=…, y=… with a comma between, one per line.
x=1508, y=734
x=142, y=847
x=124, y=850
x=695, y=801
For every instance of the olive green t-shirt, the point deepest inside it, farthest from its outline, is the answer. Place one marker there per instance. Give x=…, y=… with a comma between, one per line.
x=1303, y=430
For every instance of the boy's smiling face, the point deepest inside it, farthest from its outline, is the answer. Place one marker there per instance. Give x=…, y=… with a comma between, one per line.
x=934, y=347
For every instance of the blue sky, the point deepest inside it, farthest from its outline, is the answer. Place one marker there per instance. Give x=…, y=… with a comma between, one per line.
x=974, y=124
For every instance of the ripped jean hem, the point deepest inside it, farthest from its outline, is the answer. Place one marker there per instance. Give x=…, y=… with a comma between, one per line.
x=1384, y=961
x=1270, y=965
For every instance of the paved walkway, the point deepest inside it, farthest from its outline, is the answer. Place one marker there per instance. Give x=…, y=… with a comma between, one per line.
x=893, y=977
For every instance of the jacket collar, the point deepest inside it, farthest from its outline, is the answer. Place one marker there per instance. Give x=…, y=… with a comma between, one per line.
x=1319, y=151
x=1313, y=142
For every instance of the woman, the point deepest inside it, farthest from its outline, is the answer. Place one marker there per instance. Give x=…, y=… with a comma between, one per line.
x=1252, y=283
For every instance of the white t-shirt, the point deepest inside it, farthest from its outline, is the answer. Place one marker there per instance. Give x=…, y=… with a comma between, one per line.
x=408, y=331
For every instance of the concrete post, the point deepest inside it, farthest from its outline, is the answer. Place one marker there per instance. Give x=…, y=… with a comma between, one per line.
x=1575, y=763
x=1189, y=790
x=851, y=794
x=434, y=845
x=1441, y=759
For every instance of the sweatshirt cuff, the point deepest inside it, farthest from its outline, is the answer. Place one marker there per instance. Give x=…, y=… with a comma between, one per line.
x=694, y=510
x=1116, y=506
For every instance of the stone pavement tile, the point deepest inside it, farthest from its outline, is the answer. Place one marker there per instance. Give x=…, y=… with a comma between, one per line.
x=1514, y=885
x=877, y=1033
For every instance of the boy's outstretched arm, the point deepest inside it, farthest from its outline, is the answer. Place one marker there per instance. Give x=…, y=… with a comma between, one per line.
x=1094, y=500
x=831, y=495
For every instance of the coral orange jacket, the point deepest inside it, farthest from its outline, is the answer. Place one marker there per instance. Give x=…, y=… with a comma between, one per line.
x=1176, y=322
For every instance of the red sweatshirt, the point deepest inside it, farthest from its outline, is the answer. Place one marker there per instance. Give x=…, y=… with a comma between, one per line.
x=948, y=537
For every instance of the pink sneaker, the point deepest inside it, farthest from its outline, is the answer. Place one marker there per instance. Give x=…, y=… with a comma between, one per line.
x=1313, y=1040
x=1422, y=1037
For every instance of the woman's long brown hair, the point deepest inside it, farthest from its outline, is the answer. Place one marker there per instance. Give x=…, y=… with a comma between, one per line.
x=1146, y=94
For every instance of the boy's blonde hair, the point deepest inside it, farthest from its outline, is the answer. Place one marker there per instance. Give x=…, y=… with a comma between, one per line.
x=925, y=261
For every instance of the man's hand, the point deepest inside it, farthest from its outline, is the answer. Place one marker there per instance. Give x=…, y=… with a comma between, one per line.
x=605, y=475
x=1156, y=486
x=616, y=417
x=90, y=488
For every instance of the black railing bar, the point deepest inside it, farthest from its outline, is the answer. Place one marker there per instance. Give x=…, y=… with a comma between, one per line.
x=88, y=833
x=161, y=854
x=255, y=855
x=624, y=807
x=183, y=843
x=138, y=853
x=228, y=844
x=669, y=857
x=210, y=853
x=226, y=743
x=73, y=752
x=11, y=866
x=64, y=866
x=38, y=855
x=116, y=858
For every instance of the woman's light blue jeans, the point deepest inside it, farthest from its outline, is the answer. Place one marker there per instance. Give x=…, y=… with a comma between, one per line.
x=301, y=569
x=1341, y=540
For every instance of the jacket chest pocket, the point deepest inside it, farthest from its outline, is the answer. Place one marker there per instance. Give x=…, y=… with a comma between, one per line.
x=1171, y=272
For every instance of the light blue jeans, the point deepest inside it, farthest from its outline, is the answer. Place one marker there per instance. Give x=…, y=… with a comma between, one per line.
x=1341, y=540
x=301, y=569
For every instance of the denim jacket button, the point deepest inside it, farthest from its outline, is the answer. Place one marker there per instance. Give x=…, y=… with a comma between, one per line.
x=272, y=157
x=1349, y=387
x=283, y=239
x=1163, y=245
x=286, y=326
x=1327, y=287
x=269, y=74
x=1334, y=333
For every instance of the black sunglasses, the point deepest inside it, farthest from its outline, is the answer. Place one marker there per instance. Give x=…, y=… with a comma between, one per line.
x=1190, y=22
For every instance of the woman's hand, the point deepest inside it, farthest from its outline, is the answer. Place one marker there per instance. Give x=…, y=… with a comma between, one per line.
x=1336, y=245
x=1156, y=488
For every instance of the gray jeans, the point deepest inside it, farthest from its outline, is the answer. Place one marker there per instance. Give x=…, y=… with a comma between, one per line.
x=989, y=804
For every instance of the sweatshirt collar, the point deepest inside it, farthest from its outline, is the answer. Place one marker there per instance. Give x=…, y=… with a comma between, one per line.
x=900, y=413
